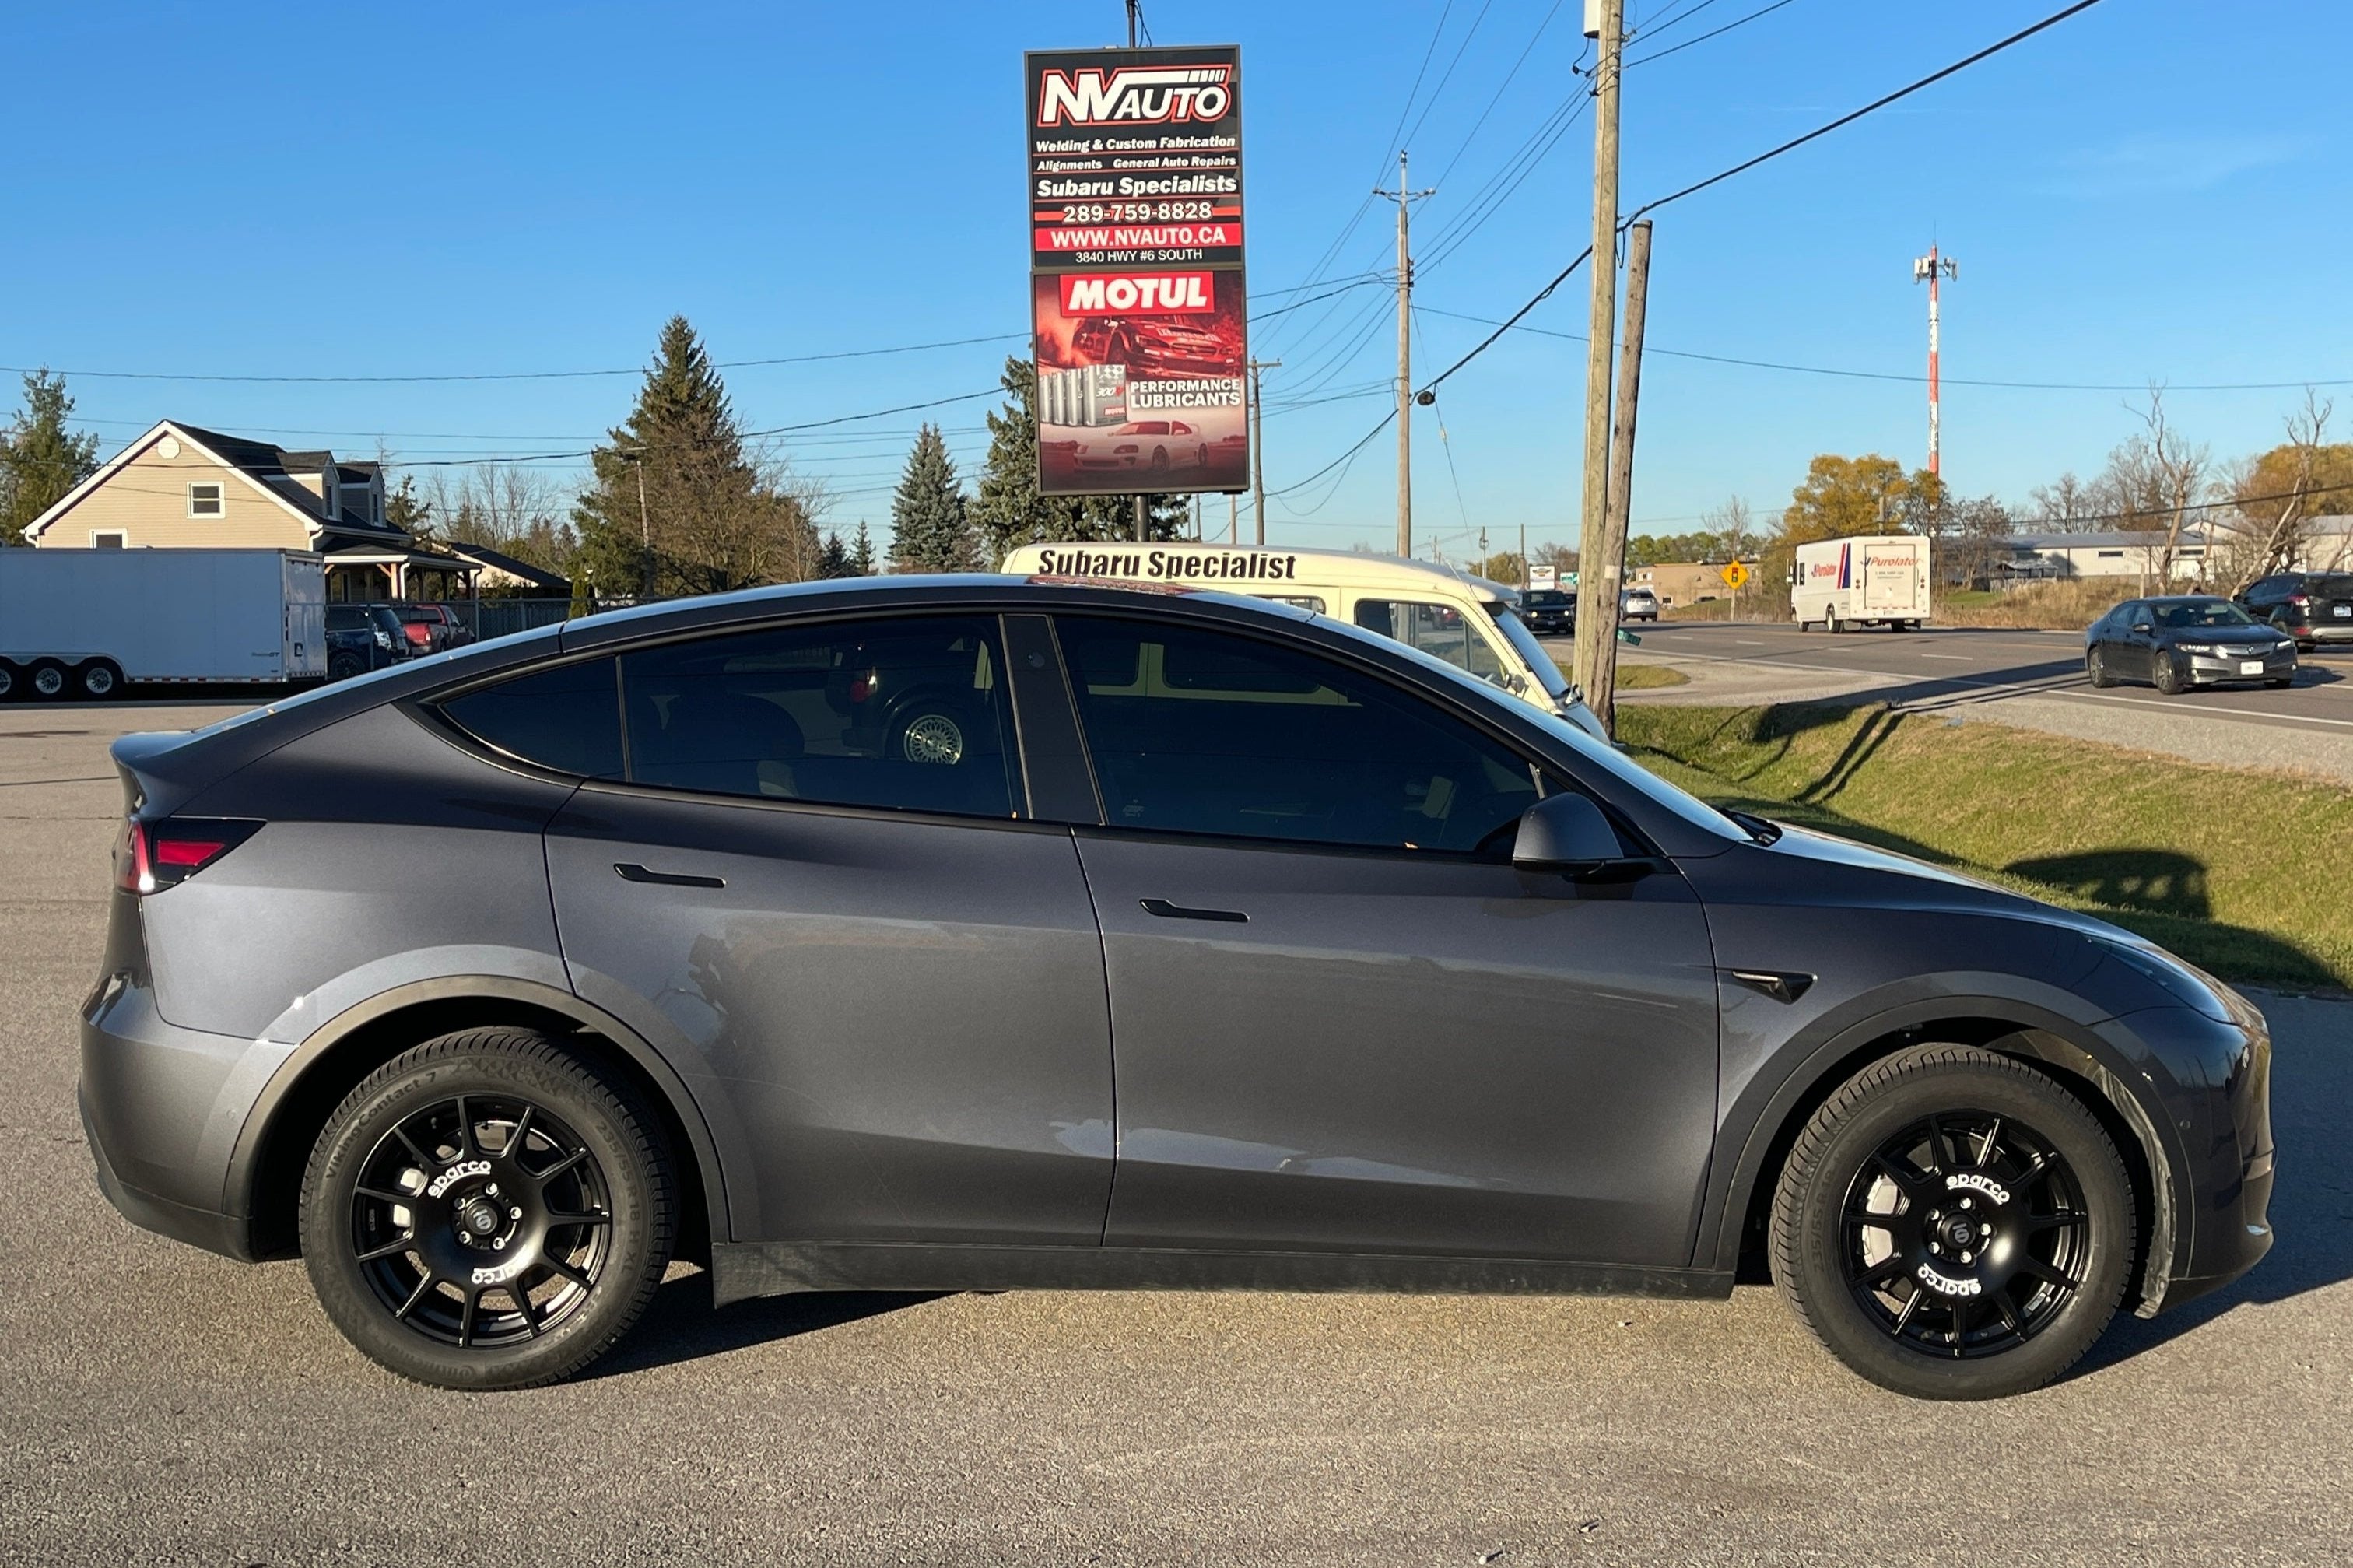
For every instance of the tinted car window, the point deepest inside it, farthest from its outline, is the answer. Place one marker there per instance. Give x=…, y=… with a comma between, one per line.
x=1206, y=732
x=910, y=713
x=2201, y=612
x=567, y=718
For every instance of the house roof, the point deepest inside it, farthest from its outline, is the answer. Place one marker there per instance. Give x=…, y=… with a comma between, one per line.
x=2151, y=539
x=268, y=469
x=499, y=560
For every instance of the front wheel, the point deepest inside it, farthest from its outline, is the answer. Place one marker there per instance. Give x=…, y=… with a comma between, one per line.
x=486, y=1211
x=1953, y=1224
x=2166, y=674
x=2095, y=667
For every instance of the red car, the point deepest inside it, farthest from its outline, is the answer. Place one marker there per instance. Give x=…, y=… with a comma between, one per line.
x=1157, y=346
x=432, y=627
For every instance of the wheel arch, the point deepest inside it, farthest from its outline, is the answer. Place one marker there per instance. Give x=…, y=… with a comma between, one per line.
x=2077, y=1060
x=264, y=1178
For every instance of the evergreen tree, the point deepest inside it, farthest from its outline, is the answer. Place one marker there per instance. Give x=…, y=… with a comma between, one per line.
x=405, y=510
x=929, y=530
x=862, y=554
x=1008, y=510
x=833, y=561
x=710, y=517
x=40, y=461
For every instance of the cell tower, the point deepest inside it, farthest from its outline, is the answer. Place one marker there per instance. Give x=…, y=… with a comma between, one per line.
x=1932, y=267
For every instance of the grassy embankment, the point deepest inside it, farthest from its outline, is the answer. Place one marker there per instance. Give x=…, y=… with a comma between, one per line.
x=1650, y=677
x=2063, y=606
x=2239, y=872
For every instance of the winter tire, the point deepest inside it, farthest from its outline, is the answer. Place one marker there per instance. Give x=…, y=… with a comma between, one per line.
x=1953, y=1224
x=487, y=1212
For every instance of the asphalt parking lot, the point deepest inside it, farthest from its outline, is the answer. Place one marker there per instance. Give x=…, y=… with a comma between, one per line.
x=161, y=1405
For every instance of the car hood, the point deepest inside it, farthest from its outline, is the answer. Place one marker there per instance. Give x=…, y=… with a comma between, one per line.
x=2235, y=636
x=1858, y=874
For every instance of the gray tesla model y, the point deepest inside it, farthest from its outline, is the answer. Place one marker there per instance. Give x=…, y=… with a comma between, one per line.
x=806, y=932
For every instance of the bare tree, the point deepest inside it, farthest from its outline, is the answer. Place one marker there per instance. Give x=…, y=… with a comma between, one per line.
x=2280, y=492
x=1733, y=527
x=2156, y=478
x=2070, y=505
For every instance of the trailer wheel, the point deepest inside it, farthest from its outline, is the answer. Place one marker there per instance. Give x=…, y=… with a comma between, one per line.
x=11, y=684
x=46, y=679
x=100, y=680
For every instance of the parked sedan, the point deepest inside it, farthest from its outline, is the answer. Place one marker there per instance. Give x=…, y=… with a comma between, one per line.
x=2311, y=607
x=807, y=930
x=2184, y=641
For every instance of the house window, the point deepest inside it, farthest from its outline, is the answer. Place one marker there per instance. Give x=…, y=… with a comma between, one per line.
x=204, y=500
x=108, y=539
x=2112, y=554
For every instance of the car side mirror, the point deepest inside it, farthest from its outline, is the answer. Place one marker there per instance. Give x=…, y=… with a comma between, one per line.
x=1566, y=833
x=2144, y=626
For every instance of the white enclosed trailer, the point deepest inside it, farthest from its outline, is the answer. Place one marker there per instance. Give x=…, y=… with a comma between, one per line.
x=82, y=623
x=1880, y=580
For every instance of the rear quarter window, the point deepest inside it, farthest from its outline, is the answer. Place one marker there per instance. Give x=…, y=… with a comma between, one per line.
x=566, y=717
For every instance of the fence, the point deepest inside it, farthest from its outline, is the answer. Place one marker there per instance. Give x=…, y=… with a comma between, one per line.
x=489, y=618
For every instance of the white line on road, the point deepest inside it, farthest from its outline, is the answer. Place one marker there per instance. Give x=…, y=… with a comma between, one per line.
x=1957, y=658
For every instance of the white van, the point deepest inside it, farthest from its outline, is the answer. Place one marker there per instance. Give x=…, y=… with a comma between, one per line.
x=1880, y=580
x=1470, y=622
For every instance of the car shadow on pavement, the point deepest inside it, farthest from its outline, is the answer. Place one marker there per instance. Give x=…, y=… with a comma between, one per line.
x=681, y=1325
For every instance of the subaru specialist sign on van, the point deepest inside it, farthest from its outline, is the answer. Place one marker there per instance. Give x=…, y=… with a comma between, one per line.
x=1136, y=295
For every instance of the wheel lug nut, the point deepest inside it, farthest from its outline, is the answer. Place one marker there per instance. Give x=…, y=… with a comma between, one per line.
x=514, y=1214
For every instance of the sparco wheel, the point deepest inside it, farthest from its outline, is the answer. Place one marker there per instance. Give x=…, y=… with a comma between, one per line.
x=1953, y=1224
x=485, y=1212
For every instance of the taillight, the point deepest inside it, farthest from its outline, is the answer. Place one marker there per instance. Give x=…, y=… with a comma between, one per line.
x=152, y=856
x=2300, y=600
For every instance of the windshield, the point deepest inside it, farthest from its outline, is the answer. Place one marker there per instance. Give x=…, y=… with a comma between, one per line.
x=1523, y=642
x=2198, y=612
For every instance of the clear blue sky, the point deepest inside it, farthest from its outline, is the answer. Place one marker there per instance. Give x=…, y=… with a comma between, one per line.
x=2153, y=189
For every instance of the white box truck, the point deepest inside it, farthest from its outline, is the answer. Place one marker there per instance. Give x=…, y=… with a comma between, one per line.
x=1879, y=579
x=83, y=622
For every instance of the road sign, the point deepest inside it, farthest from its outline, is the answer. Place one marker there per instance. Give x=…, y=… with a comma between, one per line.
x=1734, y=575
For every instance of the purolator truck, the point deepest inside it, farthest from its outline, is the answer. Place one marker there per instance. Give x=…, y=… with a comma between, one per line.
x=1880, y=580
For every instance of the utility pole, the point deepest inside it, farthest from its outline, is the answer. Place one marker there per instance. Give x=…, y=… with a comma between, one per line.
x=1258, y=449
x=1597, y=571
x=1527, y=578
x=1601, y=696
x=637, y=460
x=1233, y=517
x=1932, y=267
x=1405, y=197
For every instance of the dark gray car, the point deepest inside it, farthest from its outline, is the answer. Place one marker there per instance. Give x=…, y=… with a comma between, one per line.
x=968, y=933
x=2183, y=640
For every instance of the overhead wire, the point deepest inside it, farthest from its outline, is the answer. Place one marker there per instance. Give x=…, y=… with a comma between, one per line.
x=1714, y=33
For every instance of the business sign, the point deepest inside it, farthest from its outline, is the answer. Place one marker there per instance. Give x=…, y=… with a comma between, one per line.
x=1136, y=263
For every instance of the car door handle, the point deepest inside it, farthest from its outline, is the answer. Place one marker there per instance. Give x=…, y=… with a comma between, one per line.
x=632, y=872
x=1167, y=911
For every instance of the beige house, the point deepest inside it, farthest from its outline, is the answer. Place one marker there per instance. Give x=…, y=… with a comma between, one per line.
x=1684, y=582
x=181, y=488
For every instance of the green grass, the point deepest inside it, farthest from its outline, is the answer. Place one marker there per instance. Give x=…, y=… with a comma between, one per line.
x=2242, y=873
x=1650, y=677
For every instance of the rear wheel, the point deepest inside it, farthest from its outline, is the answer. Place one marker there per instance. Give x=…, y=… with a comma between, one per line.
x=1953, y=1224
x=344, y=666
x=46, y=679
x=1831, y=620
x=100, y=680
x=484, y=1212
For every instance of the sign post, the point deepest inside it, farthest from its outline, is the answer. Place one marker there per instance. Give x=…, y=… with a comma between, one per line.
x=1136, y=260
x=1734, y=575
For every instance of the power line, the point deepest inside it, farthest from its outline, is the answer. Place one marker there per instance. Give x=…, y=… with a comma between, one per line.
x=1875, y=106
x=1497, y=96
x=1914, y=380
x=1716, y=33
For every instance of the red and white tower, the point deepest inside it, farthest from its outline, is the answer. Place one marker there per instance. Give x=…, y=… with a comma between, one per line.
x=1932, y=267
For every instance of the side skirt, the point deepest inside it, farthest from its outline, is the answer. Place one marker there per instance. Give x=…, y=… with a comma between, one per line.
x=741, y=1269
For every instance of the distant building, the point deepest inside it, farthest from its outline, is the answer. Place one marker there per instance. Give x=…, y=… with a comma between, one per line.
x=2115, y=554
x=180, y=487
x=495, y=569
x=1684, y=582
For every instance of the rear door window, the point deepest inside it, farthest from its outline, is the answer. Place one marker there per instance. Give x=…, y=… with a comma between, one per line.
x=1200, y=731
x=906, y=713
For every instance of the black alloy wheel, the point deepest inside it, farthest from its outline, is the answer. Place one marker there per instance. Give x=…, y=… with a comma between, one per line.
x=487, y=1212
x=1954, y=1224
